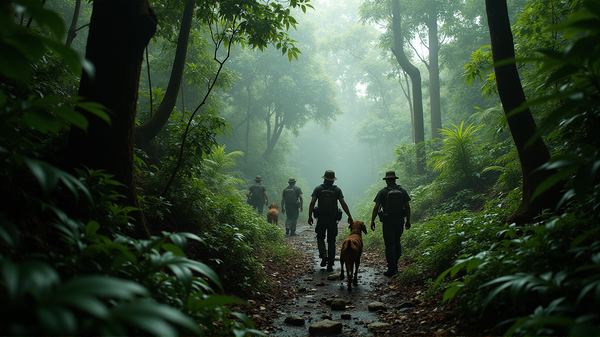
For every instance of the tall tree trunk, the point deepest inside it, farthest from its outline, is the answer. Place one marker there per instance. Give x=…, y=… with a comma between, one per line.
x=73, y=28
x=522, y=125
x=119, y=32
x=147, y=131
x=410, y=106
x=249, y=91
x=434, y=74
x=415, y=76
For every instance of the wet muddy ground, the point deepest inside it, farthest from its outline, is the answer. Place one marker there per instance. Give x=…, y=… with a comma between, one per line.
x=317, y=285
x=303, y=288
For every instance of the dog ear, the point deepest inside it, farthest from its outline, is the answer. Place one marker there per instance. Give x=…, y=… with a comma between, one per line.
x=364, y=228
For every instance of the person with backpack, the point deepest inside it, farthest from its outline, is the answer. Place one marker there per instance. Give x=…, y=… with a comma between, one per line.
x=392, y=206
x=328, y=214
x=292, y=199
x=257, y=195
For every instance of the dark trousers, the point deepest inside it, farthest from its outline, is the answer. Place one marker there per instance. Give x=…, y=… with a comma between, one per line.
x=392, y=231
x=258, y=206
x=291, y=219
x=326, y=228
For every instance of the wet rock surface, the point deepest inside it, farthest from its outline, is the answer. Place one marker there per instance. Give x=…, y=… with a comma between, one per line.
x=294, y=320
x=325, y=327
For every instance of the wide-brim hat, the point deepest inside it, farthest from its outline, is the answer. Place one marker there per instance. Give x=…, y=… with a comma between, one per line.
x=258, y=178
x=329, y=175
x=292, y=180
x=390, y=175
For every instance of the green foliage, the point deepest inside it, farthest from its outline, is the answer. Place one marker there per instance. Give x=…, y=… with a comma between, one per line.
x=91, y=278
x=458, y=159
x=549, y=271
x=435, y=244
x=67, y=263
x=544, y=277
x=216, y=164
x=22, y=46
x=207, y=203
x=257, y=24
x=405, y=164
x=464, y=199
x=575, y=69
x=29, y=103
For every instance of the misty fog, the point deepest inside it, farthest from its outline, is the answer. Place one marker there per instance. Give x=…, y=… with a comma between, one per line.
x=374, y=119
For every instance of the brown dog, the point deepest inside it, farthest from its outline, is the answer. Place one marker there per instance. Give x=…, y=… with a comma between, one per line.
x=273, y=214
x=351, y=252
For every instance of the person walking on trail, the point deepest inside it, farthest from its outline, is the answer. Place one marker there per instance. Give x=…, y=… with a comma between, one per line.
x=392, y=206
x=257, y=195
x=328, y=214
x=292, y=199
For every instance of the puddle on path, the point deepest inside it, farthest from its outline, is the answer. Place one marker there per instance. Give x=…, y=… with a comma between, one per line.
x=310, y=304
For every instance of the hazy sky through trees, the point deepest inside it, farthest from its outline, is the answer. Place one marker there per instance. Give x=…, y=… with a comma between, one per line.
x=356, y=164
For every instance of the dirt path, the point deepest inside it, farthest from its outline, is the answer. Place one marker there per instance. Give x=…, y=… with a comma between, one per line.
x=303, y=288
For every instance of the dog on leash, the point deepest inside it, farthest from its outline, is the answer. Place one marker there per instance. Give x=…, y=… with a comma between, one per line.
x=273, y=214
x=352, y=248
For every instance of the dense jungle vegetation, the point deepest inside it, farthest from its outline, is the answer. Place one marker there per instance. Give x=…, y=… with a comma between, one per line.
x=130, y=132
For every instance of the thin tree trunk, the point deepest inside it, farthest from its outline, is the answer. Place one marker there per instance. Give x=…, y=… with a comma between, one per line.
x=522, y=125
x=146, y=132
x=410, y=106
x=249, y=91
x=415, y=76
x=434, y=74
x=73, y=28
x=118, y=34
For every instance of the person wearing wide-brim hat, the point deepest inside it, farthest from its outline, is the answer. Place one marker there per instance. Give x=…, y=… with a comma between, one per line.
x=257, y=195
x=327, y=219
x=291, y=198
x=392, y=217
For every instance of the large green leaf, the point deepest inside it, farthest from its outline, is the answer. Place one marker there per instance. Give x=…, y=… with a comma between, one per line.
x=153, y=318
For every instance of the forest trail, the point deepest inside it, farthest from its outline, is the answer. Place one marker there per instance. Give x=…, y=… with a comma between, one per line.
x=306, y=290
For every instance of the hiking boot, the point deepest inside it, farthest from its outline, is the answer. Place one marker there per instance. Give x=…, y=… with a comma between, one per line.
x=330, y=267
x=293, y=234
x=323, y=262
x=389, y=273
x=287, y=231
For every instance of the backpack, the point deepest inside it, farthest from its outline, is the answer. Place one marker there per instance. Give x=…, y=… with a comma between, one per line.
x=394, y=205
x=256, y=192
x=328, y=201
x=289, y=196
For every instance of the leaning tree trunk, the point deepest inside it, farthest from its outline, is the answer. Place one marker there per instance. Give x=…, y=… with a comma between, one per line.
x=415, y=77
x=146, y=132
x=119, y=32
x=522, y=125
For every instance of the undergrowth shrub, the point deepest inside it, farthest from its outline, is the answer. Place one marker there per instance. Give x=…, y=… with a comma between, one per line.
x=545, y=278
x=237, y=239
x=86, y=276
x=433, y=246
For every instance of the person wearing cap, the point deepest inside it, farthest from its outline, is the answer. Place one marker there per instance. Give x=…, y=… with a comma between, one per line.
x=392, y=226
x=257, y=195
x=326, y=224
x=292, y=206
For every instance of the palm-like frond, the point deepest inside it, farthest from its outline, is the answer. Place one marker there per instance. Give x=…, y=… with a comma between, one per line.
x=214, y=167
x=458, y=151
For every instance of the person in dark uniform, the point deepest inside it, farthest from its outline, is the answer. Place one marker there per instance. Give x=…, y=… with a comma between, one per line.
x=292, y=199
x=257, y=195
x=328, y=217
x=392, y=219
